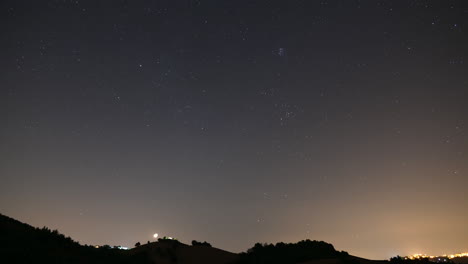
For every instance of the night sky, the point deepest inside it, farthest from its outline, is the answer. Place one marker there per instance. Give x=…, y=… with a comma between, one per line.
x=238, y=122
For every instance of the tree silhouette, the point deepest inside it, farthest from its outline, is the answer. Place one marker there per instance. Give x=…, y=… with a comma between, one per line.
x=289, y=253
x=196, y=243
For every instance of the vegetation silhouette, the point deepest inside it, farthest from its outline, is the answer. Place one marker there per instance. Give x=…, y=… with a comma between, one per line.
x=196, y=243
x=286, y=253
x=22, y=243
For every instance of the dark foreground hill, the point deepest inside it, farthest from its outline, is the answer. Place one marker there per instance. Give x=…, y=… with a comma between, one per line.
x=22, y=243
x=173, y=251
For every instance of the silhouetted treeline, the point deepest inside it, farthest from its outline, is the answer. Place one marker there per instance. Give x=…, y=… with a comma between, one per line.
x=22, y=243
x=286, y=253
x=196, y=243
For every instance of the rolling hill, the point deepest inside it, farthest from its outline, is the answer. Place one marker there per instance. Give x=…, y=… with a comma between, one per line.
x=22, y=243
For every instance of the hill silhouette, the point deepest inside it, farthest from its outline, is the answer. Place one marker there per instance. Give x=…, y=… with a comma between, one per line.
x=300, y=252
x=173, y=251
x=22, y=243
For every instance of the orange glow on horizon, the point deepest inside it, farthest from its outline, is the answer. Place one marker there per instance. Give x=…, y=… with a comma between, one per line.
x=451, y=256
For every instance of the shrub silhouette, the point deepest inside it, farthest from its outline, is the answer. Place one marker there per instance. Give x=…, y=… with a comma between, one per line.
x=286, y=253
x=22, y=243
x=196, y=243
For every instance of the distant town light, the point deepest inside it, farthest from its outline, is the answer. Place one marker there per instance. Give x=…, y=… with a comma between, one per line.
x=437, y=258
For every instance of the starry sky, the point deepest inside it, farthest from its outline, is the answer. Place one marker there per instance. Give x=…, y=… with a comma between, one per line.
x=238, y=122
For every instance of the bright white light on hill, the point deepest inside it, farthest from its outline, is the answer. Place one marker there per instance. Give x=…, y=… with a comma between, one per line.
x=155, y=235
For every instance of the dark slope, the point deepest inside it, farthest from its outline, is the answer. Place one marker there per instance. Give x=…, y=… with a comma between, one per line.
x=303, y=252
x=22, y=243
x=170, y=251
